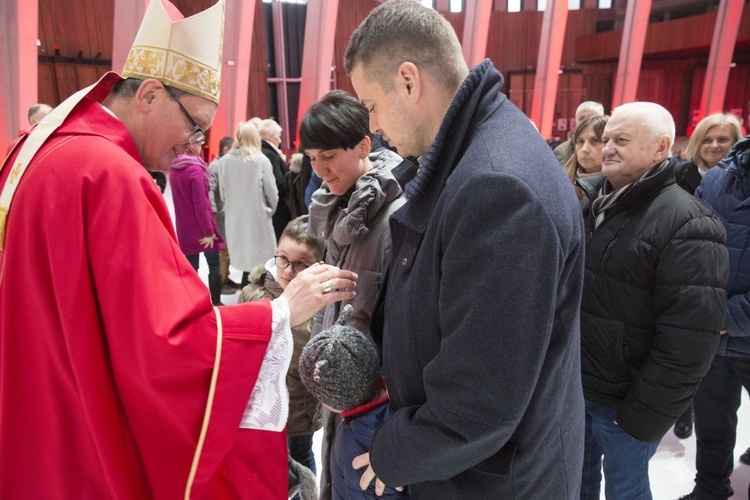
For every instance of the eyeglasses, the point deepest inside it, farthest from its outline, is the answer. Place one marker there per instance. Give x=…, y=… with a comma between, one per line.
x=282, y=263
x=197, y=136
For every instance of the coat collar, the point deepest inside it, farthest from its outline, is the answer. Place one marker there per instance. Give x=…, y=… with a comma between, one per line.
x=477, y=98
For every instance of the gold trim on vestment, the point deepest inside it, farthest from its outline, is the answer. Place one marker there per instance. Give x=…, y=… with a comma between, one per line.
x=209, y=406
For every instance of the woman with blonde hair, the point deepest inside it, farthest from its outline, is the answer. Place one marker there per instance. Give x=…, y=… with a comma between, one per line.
x=710, y=142
x=586, y=160
x=248, y=189
x=270, y=140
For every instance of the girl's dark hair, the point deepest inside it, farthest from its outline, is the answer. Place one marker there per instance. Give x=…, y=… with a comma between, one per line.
x=337, y=120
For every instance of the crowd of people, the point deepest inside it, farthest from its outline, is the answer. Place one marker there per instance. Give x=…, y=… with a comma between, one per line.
x=465, y=312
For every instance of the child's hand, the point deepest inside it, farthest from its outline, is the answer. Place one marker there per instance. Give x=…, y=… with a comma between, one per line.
x=316, y=287
x=368, y=475
x=208, y=241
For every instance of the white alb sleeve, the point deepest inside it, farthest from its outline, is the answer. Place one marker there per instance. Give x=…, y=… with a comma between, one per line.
x=268, y=407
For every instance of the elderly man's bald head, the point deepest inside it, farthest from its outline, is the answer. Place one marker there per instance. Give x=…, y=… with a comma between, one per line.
x=37, y=112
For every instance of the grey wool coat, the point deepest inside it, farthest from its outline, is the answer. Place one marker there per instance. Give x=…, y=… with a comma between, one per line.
x=478, y=317
x=248, y=190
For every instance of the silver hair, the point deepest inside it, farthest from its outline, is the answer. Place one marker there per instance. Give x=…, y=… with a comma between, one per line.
x=594, y=106
x=654, y=117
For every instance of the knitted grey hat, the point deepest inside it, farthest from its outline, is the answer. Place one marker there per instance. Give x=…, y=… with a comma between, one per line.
x=339, y=366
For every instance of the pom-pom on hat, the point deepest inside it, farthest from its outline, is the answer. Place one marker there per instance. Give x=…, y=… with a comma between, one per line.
x=339, y=366
x=180, y=52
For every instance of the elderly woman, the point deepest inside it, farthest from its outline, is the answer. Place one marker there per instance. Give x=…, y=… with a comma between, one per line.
x=711, y=140
x=270, y=140
x=350, y=211
x=248, y=190
x=587, y=155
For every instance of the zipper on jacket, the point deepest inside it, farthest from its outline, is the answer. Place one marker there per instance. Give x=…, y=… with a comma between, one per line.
x=609, y=244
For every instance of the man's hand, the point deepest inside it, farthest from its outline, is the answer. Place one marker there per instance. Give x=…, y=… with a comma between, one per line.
x=208, y=241
x=368, y=475
x=316, y=287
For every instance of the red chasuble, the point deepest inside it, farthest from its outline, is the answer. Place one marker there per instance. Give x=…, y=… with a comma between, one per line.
x=117, y=380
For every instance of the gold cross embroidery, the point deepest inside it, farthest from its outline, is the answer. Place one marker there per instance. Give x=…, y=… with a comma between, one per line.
x=14, y=173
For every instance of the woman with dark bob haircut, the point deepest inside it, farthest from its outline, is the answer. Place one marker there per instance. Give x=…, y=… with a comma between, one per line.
x=350, y=211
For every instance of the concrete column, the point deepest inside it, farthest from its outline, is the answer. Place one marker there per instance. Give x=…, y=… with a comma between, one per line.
x=235, y=71
x=476, y=30
x=631, y=51
x=18, y=65
x=720, y=59
x=317, y=55
x=548, y=65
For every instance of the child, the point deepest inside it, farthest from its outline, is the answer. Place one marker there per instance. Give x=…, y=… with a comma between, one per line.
x=340, y=367
x=296, y=251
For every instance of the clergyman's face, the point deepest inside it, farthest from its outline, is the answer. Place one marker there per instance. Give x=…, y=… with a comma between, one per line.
x=166, y=129
x=389, y=115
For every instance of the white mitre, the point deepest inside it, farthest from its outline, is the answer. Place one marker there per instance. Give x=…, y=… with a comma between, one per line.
x=184, y=53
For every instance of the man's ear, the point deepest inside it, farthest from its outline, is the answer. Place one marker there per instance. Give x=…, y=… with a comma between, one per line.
x=665, y=143
x=147, y=93
x=409, y=81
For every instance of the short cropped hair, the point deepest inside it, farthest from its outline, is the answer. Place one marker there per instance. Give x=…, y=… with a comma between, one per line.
x=706, y=124
x=405, y=31
x=337, y=120
x=226, y=143
x=38, y=111
x=653, y=116
x=128, y=87
x=296, y=230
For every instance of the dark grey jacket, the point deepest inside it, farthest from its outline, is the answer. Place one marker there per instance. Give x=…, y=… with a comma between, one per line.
x=653, y=303
x=478, y=318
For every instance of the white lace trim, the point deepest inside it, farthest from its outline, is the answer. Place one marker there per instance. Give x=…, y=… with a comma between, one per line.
x=268, y=407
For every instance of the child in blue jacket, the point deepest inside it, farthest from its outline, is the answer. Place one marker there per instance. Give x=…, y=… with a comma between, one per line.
x=339, y=366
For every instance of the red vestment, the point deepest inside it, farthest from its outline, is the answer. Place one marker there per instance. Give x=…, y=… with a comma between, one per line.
x=108, y=339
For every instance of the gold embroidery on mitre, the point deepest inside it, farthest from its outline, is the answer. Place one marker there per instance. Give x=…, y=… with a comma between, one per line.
x=174, y=69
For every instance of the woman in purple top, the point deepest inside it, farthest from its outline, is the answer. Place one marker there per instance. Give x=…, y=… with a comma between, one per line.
x=196, y=225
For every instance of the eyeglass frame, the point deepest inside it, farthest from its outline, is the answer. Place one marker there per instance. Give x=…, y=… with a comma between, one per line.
x=197, y=136
x=289, y=263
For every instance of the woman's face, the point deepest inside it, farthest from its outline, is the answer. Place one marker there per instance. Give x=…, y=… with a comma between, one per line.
x=716, y=144
x=589, y=151
x=339, y=168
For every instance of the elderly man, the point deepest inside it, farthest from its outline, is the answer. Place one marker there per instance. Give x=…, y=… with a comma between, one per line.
x=119, y=378
x=653, y=301
x=37, y=112
x=586, y=109
x=478, y=312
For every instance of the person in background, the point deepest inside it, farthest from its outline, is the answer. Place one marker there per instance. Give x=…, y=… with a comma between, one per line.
x=477, y=314
x=228, y=287
x=653, y=301
x=711, y=140
x=340, y=367
x=196, y=225
x=270, y=135
x=350, y=212
x=295, y=197
x=296, y=252
x=725, y=191
x=126, y=381
x=586, y=109
x=248, y=190
x=587, y=160
x=35, y=115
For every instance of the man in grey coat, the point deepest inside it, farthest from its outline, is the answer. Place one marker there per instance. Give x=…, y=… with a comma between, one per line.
x=478, y=313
